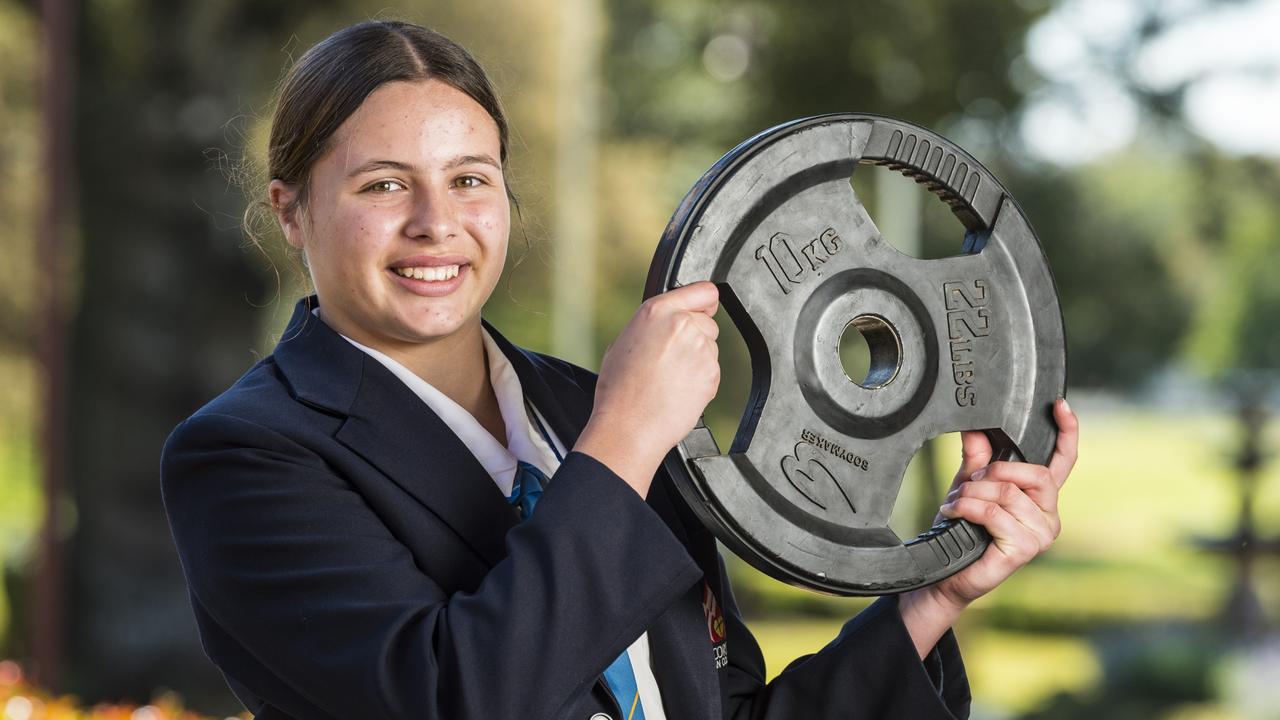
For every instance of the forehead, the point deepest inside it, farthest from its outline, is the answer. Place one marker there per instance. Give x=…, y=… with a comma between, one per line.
x=415, y=122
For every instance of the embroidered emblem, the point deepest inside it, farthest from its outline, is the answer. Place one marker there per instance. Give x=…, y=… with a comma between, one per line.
x=715, y=618
x=715, y=626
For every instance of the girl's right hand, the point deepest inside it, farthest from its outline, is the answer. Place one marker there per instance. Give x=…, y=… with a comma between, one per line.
x=655, y=381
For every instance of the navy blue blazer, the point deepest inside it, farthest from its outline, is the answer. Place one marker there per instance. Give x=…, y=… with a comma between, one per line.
x=348, y=557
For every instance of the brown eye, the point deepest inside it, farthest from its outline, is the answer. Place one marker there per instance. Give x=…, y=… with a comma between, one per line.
x=385, y=186
x=468, y=181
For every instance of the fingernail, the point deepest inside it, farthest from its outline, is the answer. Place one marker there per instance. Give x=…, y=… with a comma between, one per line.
x=978, y=474
x=947, y=509
x=951, y=496
x=1065, y=405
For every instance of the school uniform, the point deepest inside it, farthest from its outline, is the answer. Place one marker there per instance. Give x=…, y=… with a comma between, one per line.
x=348, y=556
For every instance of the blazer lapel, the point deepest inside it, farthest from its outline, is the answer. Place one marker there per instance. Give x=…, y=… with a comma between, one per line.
x=391, y=428
x=564, y=399
x=395, y=431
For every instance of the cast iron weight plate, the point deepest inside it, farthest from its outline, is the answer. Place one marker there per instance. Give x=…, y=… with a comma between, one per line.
x=970, y=342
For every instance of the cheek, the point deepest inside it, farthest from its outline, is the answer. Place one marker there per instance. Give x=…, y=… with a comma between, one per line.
x=494, y=224
x=348, y=244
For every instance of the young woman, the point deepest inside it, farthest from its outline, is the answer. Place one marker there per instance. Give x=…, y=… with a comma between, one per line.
x=356, y=515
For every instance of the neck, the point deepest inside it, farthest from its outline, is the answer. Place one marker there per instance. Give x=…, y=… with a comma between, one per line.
x=455, y=365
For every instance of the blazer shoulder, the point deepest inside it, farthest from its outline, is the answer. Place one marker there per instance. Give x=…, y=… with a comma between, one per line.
x=260, y=389
x=260, y=398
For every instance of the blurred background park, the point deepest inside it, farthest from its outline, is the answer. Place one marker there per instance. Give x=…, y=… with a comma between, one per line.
x=1142, y=137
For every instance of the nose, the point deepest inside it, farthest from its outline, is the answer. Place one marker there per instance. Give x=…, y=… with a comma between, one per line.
x=434, y=216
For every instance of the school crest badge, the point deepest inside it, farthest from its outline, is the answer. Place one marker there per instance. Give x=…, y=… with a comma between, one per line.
x=715, y=626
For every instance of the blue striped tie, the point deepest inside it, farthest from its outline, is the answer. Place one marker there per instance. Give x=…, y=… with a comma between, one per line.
x=526, y=489
x=621, y=679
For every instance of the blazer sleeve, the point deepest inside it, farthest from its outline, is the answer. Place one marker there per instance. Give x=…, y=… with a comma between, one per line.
x=869, y=671
x=299, y=574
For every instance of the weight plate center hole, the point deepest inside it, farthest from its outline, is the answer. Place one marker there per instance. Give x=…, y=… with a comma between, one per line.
x=870, y=351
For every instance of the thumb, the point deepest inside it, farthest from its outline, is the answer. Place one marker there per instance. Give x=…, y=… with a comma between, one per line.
x=975, y=453
x=702, y=296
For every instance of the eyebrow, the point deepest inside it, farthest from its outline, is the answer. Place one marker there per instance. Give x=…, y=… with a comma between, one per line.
x=472, y=160
x=379, y=165
x=405, y=167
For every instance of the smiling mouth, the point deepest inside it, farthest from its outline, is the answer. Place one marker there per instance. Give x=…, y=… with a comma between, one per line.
x=437, y=273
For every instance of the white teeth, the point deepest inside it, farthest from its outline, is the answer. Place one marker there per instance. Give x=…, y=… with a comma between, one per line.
x=430, y=274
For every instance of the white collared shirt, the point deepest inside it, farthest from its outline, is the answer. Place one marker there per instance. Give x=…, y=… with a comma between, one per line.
x=524, y=442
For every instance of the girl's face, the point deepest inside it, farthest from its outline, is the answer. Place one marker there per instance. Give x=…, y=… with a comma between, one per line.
x=406, y=220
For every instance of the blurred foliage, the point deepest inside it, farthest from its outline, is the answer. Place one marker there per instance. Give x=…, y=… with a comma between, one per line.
x=19, y=523
x=1235, y=324
x=1113, y=252
x=718, y=72
x=19, y=151
x=19, y=158
x=1147, y=674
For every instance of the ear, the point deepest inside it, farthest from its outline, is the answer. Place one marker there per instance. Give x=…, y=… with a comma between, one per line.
x=283, y=197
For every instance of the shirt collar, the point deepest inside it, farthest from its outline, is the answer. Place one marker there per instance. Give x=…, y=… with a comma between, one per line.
x=524, y=442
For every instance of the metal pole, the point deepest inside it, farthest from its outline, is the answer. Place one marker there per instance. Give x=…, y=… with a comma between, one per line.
x=577, y=140
x=898, y=214
x=56, y=97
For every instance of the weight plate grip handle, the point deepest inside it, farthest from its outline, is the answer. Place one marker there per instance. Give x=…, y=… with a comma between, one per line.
x=957, y=543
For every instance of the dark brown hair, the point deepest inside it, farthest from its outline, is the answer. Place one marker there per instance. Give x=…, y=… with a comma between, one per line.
x=334, y=77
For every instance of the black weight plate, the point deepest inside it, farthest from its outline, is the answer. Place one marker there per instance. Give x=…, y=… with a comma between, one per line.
x=970, y=342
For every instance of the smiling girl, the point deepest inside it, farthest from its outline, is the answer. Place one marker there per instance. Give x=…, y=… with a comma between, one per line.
x=356, y=515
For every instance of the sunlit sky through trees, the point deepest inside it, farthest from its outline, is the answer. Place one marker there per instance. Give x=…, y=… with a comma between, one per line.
x=1218, y=60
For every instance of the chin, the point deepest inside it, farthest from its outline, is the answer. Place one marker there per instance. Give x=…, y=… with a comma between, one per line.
x=425, y=332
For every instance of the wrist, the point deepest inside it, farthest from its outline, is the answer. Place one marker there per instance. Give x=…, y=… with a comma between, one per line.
x=624, y=453
x=927, y=614
x=937, y=599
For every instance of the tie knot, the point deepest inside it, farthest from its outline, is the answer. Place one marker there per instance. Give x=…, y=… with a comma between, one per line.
x=526, y=488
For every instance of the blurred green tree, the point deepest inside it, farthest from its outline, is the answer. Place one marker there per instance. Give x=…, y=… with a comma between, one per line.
x=165, y=315
x=19, y=153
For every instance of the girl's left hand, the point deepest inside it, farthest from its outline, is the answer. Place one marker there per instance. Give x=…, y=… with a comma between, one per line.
x=1016, y=502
